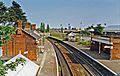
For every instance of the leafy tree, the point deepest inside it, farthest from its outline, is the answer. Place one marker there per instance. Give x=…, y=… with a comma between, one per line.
x=10, y=15
x=16, y=13
x=69, y=27
x=98, y=30
x=48, y=28
x=42, y=27
x=5, y=32
x=61, y=28
x=90, y=27
x=3, y=9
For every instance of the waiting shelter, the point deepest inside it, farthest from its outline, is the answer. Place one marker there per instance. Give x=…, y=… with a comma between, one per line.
x=108, y=45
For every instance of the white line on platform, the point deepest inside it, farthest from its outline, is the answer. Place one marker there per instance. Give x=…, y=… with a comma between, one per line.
x=42, y=63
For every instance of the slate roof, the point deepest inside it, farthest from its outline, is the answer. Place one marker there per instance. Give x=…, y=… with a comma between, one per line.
x=33, y=34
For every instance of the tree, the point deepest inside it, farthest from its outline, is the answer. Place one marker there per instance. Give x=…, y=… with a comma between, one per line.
x=69, y=27
x=98, y=30
x=3, y=9
x=61, y=28
x=42, y=27
x=16, y=13
x=48, y=28
x=5, y=32
x=10, y=15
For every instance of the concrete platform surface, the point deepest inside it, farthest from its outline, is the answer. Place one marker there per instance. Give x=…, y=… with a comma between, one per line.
x=47, y=61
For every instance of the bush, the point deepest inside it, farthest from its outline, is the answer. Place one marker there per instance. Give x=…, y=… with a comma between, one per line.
x=58, y=35
x=85, y=43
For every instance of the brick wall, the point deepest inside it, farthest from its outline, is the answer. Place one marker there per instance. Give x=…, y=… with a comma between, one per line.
x=21, y=42
x=116, y=48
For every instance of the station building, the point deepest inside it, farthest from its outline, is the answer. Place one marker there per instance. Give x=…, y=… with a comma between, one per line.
x=25, y=41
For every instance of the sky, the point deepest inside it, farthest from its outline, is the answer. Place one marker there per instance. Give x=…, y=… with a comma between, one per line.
x=78, y=13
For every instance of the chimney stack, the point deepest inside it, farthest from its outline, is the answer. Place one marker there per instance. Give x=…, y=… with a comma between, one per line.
x=19, y=28
x=33, y=26
x=19, y=23
x=27, y=26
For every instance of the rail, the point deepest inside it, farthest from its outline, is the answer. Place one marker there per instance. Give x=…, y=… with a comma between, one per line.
x=65, y=70
x=97, y=66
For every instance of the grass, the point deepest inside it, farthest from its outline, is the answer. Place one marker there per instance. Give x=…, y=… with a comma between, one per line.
x=59, y=36
x=83, y=42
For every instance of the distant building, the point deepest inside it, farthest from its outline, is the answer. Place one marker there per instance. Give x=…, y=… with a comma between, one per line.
x=71, y=36
x=65, y=30
x=112, y=30
x=25, y=41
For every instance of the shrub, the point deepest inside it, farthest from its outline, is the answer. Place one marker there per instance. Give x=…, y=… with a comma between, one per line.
x=85, y=43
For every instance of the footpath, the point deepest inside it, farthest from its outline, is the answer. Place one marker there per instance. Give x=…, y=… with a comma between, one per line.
x=114, y=65
x=47, y=61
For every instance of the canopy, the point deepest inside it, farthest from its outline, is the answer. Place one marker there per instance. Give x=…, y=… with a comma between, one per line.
x=28, y=69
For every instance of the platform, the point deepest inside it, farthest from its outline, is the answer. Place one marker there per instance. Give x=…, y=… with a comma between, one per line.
x=47, y=61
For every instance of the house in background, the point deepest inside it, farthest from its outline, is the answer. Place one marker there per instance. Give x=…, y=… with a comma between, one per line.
x=70, y=36
x=112, y=30
x=25, y=41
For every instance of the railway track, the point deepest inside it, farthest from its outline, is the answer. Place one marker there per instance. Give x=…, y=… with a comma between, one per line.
x=92, y=66
x=63, y=66
x=69, y=66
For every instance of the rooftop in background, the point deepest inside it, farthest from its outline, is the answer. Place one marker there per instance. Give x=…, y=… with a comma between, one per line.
x=112, y=28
